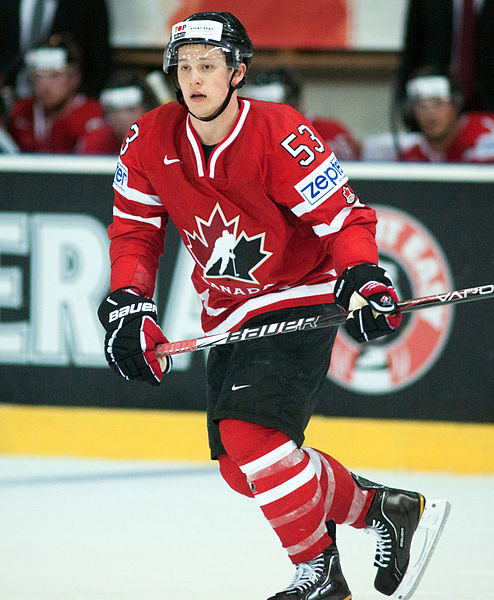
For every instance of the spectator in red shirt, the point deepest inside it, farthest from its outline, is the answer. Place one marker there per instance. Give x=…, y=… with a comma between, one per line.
x=127, y=97
x=57, y=116
x=282, y=85
x=446, y=135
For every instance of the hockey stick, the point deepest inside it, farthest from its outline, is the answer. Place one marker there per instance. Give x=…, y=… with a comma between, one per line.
x=316, y=322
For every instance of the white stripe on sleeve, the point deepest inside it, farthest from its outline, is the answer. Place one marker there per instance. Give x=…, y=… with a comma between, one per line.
x=137, y=196
x=337, y=223
x=155, y=221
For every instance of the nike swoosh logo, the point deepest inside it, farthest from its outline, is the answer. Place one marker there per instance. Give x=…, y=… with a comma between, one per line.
x=170, y=161
x=238, y=387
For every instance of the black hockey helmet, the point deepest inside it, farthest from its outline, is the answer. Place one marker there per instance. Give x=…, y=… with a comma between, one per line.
x=220, y=29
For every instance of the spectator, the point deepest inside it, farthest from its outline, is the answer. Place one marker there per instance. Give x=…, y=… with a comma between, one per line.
x=457, y=36
x=445, y=134
x=57, y=116
x=26, y=23
x=124, y=100
x=282, y=85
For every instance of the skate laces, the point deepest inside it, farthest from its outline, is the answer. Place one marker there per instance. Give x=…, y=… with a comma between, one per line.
x=384, y=543
x=306, y=574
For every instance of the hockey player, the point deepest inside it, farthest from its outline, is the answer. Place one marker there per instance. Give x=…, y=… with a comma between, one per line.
x=445, y=134
x=297, y=239
x=282, y=85
x=57, y=116
x=124, y=99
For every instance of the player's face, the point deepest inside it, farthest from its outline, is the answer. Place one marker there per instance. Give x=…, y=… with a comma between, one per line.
x=204, y=77
x=53, y=88
x=437, y=118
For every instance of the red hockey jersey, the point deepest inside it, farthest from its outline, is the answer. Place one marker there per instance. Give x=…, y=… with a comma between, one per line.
x=474, y=143
x=269, y=220
x=34, y=133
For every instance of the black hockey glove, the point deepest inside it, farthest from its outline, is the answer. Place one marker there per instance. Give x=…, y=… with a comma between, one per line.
x=132, y=334
x=368, y=293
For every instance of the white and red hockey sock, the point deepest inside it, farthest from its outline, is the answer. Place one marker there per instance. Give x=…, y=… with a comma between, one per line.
x=297, y=489
x=346, y=502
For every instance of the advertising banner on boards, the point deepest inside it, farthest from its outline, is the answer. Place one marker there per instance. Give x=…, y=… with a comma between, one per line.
x=434, y=236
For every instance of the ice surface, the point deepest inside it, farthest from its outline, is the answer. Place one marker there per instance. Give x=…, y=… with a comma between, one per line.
x=74, y=529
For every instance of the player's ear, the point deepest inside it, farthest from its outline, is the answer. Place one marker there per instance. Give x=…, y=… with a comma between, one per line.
x=240, y=74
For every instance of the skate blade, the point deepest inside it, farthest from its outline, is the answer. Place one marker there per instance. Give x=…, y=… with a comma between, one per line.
x=431, y=526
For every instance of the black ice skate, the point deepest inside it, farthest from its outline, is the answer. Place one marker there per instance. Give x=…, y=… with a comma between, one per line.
x=318, y=579
x=394, y=517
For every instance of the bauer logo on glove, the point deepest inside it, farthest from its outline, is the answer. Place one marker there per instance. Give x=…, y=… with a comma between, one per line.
x=132, y=333
x=131, y=309
x=367, y=292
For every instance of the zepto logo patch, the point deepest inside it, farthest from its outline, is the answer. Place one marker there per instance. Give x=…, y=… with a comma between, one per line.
x=418, y=267
x=321, y=182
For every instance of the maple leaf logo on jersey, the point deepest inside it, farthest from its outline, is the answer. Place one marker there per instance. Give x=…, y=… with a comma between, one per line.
x=224, y=253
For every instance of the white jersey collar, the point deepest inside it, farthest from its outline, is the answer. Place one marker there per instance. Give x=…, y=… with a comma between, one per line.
x=221, y=147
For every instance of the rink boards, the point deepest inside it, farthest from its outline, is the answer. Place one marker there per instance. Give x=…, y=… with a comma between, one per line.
x=430, y=389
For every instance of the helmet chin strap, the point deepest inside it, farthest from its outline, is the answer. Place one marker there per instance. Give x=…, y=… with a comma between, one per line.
x=217, y=113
